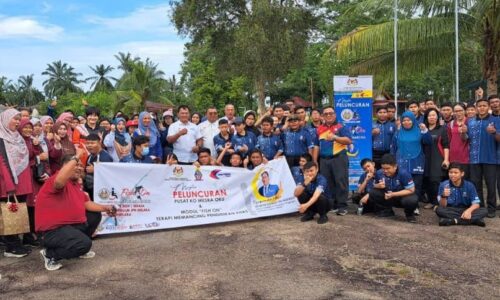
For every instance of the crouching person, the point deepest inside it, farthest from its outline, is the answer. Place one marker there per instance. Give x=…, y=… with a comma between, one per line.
x=312, y=194
x=60, y=215
x=394, y=187
x=459, y=203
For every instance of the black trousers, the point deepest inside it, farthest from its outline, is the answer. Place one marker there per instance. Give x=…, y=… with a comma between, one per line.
x=321, y=206
x=69, y=241
x=368, y=207
x=409, y=203
x=489, y=173
x=456, y=213
x=377, y=157
x=336, y=172
x=418, y=180
x=498, y=182
x=431, y=188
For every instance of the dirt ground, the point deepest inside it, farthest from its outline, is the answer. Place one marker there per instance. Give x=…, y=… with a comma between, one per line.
x=351, y=257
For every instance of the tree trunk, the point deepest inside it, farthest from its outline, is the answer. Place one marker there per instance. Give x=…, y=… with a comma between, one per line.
x=260, y=87
x=490, y=59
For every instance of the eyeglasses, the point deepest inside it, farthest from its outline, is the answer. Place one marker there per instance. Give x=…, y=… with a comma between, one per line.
x=328, y=114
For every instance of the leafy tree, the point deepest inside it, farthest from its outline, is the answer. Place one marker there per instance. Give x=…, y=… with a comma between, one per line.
x=427, y=40
x=260, y=39
x=102, y=82
x=62, y=79
x=126, y=61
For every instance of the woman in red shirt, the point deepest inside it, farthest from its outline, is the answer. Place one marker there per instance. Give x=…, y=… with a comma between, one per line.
x=15, y=173
x=459, y=144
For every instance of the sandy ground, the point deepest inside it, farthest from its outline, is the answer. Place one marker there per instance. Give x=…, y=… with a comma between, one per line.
x=351, y=257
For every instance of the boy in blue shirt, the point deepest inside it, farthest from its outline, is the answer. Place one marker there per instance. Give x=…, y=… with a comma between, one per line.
x=269, y=143
x=459, y=203
x=483, y=138
x=394, y=187
x=243, y=140
x=312, y=194
x=365, y=186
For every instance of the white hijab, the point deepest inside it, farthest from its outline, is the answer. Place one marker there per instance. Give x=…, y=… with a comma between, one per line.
x=15, y=147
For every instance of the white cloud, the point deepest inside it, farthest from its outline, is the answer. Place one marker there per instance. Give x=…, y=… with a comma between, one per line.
x=147, y=18
x=27, y=27
x=21, y=61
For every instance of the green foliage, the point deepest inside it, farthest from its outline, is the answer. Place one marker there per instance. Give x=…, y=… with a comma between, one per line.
x=101, y=82
x=62, y=79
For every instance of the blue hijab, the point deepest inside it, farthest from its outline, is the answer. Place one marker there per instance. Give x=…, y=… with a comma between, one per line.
x=153, y=131
x=121, y=137
x=409, y=140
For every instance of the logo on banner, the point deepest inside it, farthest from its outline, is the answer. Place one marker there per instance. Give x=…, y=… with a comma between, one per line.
x=218, y=174
x=265, y=188
x=198, y=176
x=178, y=171
x=352, y=82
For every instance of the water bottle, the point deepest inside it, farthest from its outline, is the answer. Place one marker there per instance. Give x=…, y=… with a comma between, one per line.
x=360, y=210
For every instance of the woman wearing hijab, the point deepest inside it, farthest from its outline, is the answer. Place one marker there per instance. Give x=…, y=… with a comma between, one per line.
x=15, y=174
x=118, y=141
x=436, y=156
x=249, y=119
x=62, y=146
x=407, y=145
x=148, y=128
x=34, y=150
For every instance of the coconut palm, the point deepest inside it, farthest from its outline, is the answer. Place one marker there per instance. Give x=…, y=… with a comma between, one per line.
x=126, y=61
x=62, y=79
x=28, y=91
x=101, y=82
x=426, y=40
x=146, y=80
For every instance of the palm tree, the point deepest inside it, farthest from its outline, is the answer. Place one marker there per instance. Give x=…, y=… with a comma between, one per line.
x=126, y=61
x=62, y=79
x=101, y=82
x=146, y=80
x=28, y=91
x=425, y=41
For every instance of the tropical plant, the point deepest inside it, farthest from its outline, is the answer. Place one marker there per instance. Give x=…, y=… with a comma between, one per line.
x=426, y=38
x=101, y=82
x=126, y=61
x=62, y=79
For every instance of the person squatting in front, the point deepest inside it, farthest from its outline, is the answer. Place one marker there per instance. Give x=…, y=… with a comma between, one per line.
x=312, y=194
x=60, y=215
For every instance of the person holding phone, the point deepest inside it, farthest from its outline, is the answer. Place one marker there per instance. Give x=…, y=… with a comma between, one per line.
x=459, y=203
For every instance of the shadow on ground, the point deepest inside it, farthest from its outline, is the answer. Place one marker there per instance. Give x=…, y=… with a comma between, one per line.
x=351, y=257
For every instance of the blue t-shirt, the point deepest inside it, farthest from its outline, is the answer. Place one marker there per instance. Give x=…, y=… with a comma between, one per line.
x=382, y=141
x=320, y=183
x=131, y=158
x=369, y=184
x=482, y=145
x=297, y=174
x=460, y=196
x=248, y=139
x=296, y=143
x=402, y=180
x=313, y=132
x=269, y=145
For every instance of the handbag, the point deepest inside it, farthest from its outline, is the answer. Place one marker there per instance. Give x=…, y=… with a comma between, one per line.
x=13, y=217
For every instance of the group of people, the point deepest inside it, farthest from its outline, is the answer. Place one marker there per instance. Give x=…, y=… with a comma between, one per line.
x=48, y=162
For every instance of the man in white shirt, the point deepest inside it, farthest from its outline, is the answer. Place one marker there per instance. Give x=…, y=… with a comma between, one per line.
x=209, y=129
x=185, y=137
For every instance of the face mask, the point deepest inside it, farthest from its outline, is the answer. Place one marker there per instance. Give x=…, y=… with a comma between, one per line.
x=145, y=151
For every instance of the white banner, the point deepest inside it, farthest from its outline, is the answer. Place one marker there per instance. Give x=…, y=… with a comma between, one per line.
x=150, y=197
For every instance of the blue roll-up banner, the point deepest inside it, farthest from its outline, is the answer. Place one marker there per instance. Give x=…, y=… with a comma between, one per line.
x=353, y=98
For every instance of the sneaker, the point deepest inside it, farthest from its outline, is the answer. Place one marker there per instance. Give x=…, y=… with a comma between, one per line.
x=492, y=214
x=28, y=240
x=480, y=223
x=411, y=219
x=335, y=210
x=341, y=212
x=90, y=254
x=50, y=263
x=429, y=206
x=16, y=252
x=446, y=222
x=308, y=216
x=323, y=219
x=416, y=212
x=388, y=213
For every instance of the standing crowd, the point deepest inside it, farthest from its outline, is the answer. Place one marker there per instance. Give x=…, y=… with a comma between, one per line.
x=439, y=156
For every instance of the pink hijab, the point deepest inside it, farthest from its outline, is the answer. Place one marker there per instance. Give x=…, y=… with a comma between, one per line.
x=63, y=118
x=15, y=147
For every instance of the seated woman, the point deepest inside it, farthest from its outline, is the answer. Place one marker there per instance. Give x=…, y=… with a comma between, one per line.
x=458, y=200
